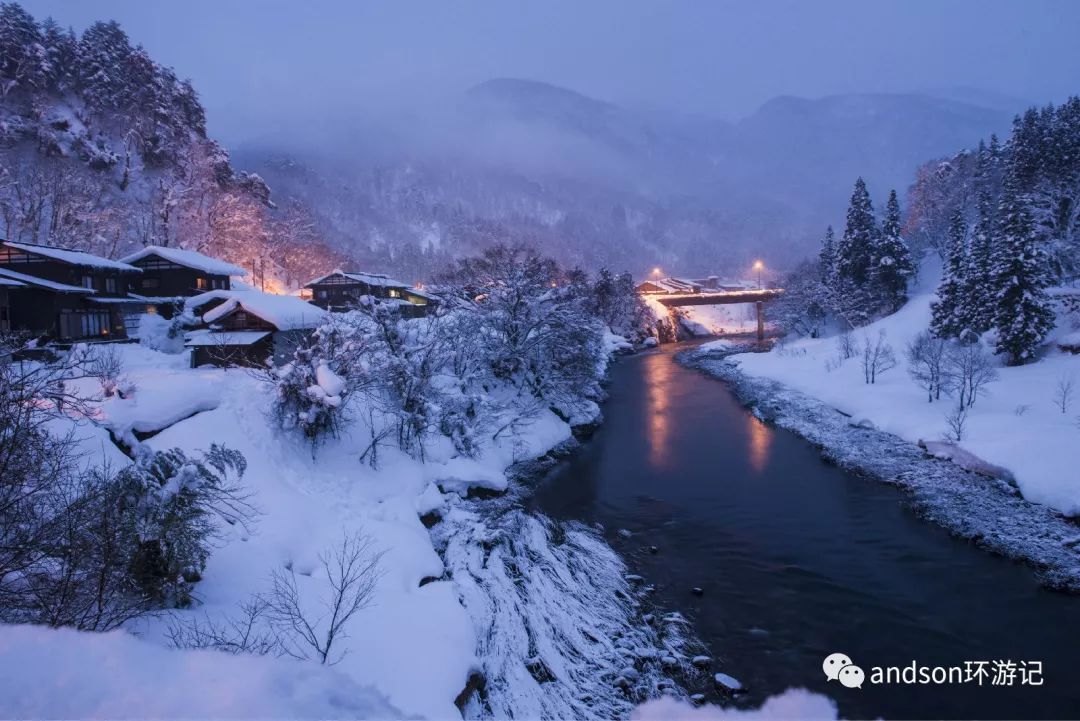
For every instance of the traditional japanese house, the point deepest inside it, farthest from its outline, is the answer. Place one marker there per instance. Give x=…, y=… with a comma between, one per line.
x=67, y=295
x=341, y=290
x=249, y=327
x=173, y=272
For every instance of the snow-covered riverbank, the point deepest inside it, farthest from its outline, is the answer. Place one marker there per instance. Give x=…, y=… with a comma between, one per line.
x=988, y=511
x=519, y=601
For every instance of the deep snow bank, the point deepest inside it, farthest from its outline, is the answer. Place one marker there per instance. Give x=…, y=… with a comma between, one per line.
x=60, y=673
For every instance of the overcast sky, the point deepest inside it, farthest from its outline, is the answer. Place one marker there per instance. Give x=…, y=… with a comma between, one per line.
x=260, y=64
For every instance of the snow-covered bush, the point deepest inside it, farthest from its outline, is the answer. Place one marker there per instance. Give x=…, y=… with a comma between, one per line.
x=539, y=334
x=313, y=389
x=92, y=548
x=157, y=333
x=877, y=357
x=927, y=357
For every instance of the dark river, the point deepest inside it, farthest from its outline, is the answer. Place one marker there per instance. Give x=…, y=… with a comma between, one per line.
x=798, y=559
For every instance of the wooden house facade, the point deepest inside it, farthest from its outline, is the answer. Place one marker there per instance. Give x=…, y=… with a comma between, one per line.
x=174, y=272
x=341, y=290
x=66, y=295
x=249, y=328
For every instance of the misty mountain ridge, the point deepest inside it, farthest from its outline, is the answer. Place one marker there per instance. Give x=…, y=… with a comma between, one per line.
x=597, y=183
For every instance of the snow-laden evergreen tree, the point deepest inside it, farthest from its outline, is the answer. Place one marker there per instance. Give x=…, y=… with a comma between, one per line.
x=853, y=287
x=892, y=267
x=61, y=47
x=1019, y=276
x=977, y=282
x=22, y=56
x=827, y=257
x=948, y=319
x=854, y=252
x=103, y=54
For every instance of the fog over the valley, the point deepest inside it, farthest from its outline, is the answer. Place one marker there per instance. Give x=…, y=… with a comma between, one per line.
x=694, y=135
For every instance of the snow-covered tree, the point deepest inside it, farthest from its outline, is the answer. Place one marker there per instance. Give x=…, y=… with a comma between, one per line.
x=854, y=252
x=22, y=55
x=892, y=266
x=827, y=257
x=1023, y=315
x=948, y=318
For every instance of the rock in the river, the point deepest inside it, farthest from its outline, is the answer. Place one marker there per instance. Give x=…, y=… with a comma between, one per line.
x=697, y=591
x=654, y=549
x=630, y=673
x=701, y=661
x=697, y=699
x=669, y=662
x=633, y=578
x=730, y=683
x=625, y=533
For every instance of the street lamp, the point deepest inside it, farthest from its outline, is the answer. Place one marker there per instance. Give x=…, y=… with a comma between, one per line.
x=656, y=272
x=759, y=266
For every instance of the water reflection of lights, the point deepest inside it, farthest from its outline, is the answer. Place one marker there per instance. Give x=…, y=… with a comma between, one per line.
x=658, y=372
x=760, y=438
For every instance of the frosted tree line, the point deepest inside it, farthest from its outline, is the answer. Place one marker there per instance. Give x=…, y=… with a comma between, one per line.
x=103, y=149
x=515, y=334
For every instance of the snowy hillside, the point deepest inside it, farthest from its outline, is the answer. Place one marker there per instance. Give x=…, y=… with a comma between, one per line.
x=1015, y=423
x=596, y=184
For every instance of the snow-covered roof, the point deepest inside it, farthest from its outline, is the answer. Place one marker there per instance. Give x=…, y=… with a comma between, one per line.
x=43, y=283
x=11, y=283
x=373, y=279
x=219, y=338
x=75, y=257
x=285, y=312
x=674, y=285
x=1070, y=339
x=125, y=300
x=187, y=258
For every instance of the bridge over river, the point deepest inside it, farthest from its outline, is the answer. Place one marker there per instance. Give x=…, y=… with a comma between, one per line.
x=725, y=297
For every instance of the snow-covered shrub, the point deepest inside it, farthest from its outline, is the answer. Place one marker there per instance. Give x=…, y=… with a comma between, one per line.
x=927, y=357
x=313, y=389
x=539, y=334
x=877, y=357
x=178, y=501
x=971, y=369
x=157, y=333
x=94, y=548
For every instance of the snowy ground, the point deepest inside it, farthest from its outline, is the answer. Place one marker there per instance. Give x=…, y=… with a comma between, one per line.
x=532, y=596
x=874, y=430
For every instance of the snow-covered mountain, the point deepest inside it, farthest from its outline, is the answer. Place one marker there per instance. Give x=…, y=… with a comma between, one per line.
x=596, y=183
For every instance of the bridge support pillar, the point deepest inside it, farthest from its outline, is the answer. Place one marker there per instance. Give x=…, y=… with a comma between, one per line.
x=760, y=320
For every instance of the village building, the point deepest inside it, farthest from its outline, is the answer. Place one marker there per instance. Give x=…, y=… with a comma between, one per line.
x=669, y=285
x=174, y=272
x=248, y=327
x=67, y=295
x=341, y=290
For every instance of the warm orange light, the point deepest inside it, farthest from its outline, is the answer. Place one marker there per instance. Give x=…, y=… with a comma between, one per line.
x=758, y=265
x=656, y=271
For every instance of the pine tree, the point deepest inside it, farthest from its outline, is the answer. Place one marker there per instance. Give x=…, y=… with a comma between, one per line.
x=855, y=250
x=892, y=260
x=61, y=47
x=22, y=57
x=827, y=257
x=947, y=312
x=977, y=312
x=103, y=54
x=1019, y=277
